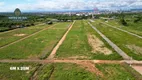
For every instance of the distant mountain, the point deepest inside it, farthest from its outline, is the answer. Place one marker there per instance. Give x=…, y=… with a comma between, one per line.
x=136, y=9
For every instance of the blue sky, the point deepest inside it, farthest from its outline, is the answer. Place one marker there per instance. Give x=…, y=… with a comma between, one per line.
x=51, y=5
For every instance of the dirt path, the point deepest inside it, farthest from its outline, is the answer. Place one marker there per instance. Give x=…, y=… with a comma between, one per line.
x=74, y=61
x=51, y=56
x=114, y=46
x=87, y=64
x=123, y=30
x=26, y=37
x=90, y=66
x=138, y=68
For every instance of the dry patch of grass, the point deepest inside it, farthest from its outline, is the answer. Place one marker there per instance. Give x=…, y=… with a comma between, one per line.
x=135, y=48
x=97, y=45
x=19, y=35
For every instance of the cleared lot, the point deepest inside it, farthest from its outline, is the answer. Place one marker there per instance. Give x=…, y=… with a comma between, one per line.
x=7, y=74
x=37, y=46
x=69, y=70
x=132, y=27
x=128, y=43
x=8, y=37
x=83, y=42
x=114, y=72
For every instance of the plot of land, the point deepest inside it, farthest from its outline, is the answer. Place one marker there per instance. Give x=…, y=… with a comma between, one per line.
x=6, y=38
x=68, y=71
x=37, y=46
x=97, y=45
x=74, y=59
x=132, y=27
x=79, y=45
x=114, y=72
x=121, y=39
x=7, y=74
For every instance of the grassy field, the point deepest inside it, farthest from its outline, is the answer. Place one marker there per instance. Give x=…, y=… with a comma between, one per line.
x=45, y=72
x=132, y=27
x=113, y=56
x=77, y=46
x=8, y=37
x=114, y=72
x=56, y=71
x=70, y=72
x=37, y=46
x=128, y=43
x=7, y=74
x=3, y=28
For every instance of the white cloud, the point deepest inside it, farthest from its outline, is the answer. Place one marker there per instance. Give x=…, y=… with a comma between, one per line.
x=75, y=4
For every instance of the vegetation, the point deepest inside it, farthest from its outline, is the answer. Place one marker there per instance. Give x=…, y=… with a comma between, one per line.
x=70, y=72
x=131, y=70
x=123, y=22
x=76, y=44
x=124, y=40
x=114, y=72
x=33, y=18
x=9, y=37
x=7, y=74
x=45, y=72
x=131, y=22
x=35, y=46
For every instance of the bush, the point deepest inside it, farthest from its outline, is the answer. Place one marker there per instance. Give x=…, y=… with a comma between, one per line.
x=137, y=20
x=123, y=22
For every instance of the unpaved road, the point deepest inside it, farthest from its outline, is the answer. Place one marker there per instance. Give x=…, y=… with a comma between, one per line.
x=138, y=68
x=52, y=54
x=87, y=64
x=74, y=61
x=114, y=46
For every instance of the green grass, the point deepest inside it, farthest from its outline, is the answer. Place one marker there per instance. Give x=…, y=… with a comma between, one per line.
x=3, y=28
x=45, y=72
x=132, y=27
x=8, y=37
x=102, y=56
x=121, y=39
x=64, y=71
x=36, y=46
x=7, y=74
x=76, y=44
x=114, y=72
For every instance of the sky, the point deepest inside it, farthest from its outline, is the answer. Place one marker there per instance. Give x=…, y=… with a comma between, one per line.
x=59, y=5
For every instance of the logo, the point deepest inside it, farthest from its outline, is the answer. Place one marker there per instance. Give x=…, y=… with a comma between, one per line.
x=17, y=12
x=17, y=16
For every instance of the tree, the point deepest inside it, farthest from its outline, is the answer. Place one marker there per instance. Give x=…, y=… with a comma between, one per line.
x=137, y=20
x=123, y=22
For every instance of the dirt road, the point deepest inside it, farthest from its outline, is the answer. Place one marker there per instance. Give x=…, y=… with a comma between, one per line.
x=52, y=54
x=114, y=46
